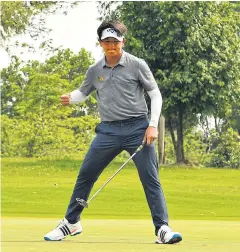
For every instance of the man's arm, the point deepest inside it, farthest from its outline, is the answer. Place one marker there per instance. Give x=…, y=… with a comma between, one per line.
x=77, y=96
x=74, y=97
x=151, y=133
x=149, y=84
x=156, y=106
x=81, y=94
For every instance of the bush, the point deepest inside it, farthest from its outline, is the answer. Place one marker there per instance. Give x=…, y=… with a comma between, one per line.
x=36, y=138
x=227, y=152
x=195, y=148
x=214, y=151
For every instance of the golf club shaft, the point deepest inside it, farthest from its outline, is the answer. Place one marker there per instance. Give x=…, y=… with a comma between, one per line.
x=119, y=169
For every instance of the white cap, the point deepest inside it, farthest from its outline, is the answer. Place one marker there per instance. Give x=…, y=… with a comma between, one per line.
x=110, y=32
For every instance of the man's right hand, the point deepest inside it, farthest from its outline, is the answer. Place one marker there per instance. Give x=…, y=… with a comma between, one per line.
x=65, y=99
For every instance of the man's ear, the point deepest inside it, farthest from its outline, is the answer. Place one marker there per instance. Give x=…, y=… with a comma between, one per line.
x=124, y=41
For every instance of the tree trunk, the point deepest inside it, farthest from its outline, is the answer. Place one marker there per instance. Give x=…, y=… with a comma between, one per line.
x=177, y=140
x=171, y=129
x=180, y=150
x=216, y=125
x=161, y=129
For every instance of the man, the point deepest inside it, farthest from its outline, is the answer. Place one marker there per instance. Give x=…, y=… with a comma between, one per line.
x=120, y=80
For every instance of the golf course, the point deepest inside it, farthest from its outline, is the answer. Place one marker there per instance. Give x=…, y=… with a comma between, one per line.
x=203, y=204
x=89, y=81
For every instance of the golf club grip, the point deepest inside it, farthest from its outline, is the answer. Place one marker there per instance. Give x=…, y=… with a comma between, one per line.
x=140, y=147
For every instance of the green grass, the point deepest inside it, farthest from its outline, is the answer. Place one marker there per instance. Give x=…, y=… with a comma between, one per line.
x=203, y=204
x=26, y=234
x=42, y=188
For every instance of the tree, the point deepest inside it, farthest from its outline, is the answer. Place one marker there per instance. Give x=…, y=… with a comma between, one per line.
x=35, y=123
x=193, y=50
x=12, y=86
x=16, y=79
x=73, y=68
x=28, y=17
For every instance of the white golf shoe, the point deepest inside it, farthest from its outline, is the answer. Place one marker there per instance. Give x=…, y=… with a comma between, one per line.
x=62, y=230
x=165, y=235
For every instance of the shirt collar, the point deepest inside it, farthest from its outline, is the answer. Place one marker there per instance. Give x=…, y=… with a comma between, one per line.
x=121, y=62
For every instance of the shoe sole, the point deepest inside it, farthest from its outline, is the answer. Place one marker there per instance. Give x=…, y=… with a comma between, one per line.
x=175, y=239
x=48, y=239
x=75, y=234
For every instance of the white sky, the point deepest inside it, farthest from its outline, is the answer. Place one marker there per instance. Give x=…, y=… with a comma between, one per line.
x=76, y=30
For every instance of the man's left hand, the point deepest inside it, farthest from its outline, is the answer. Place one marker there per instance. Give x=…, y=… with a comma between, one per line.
x=151, y=135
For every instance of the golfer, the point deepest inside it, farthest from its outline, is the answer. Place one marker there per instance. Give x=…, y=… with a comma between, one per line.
x=119, y=79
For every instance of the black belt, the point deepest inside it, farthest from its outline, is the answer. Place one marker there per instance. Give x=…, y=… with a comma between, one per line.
x=129, y=120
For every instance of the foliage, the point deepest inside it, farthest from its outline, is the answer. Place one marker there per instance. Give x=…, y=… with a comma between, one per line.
x=193, y=49
x=41, y=137
x=12, y=86
x=194, y=146
x=43, y=83
x=109, y=10
x=16, y=16
x=234, y=119
x=28, y=17
x=210, y=148
x=226, y=154
x=34, y=123
x=169, y=153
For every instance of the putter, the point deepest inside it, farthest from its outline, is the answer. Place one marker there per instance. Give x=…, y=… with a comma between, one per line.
x=84, y=203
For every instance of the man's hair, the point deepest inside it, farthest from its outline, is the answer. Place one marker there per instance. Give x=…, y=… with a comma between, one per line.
x=119, y=27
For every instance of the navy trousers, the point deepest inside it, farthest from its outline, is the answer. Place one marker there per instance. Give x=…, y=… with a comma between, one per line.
x=111, y=139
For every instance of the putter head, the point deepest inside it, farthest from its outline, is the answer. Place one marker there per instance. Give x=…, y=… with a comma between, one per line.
x=82, y=202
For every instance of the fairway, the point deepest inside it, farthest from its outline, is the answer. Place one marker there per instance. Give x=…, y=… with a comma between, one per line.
x=203, y=205
x=26, y=234
x=191, y=193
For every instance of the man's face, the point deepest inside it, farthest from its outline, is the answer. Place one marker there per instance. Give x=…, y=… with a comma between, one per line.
x=111, y=46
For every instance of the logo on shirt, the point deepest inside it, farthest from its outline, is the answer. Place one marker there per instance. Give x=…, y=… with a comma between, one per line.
x=100, y=78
